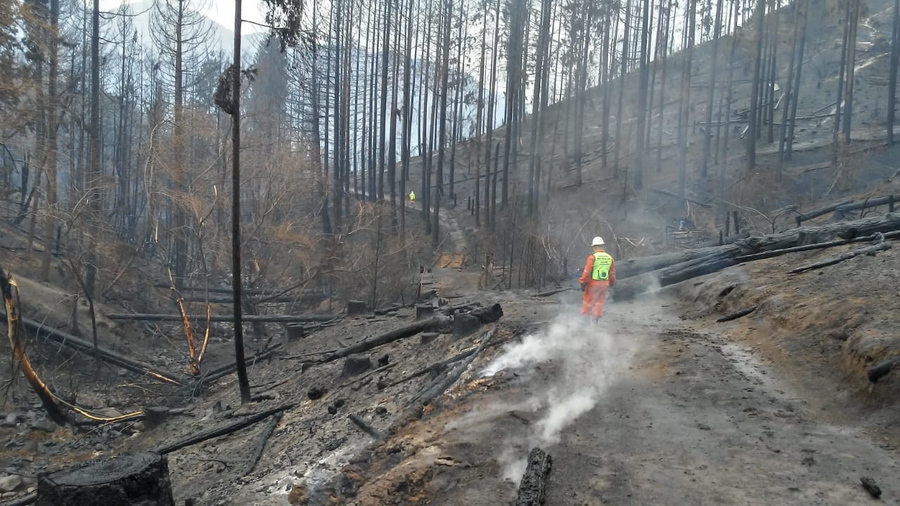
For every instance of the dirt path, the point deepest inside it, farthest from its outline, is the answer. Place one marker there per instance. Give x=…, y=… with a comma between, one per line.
x=642, y=410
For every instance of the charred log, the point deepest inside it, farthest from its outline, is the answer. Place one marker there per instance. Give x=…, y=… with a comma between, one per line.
x=810, y=247
x=549, y=293
x=721, y=258
x=263, y=439
x=222, y=431
x=871, y=487
x=441, y=384
x=533, y=487
x=737, y=314
x=820, y=212
x=280, y=318
x=368, y=429
x=870, y=250
x=388, y=337
x=225, y=370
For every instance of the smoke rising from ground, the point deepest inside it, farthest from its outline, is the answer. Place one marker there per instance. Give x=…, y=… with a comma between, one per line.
x=583, y=360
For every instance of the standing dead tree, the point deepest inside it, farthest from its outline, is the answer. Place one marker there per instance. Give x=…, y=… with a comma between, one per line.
x=12, y=321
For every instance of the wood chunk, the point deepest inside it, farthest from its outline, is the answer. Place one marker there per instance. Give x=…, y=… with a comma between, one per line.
x=871, y=487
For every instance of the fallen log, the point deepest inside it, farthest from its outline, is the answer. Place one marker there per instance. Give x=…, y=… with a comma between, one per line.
x=227, y=369
x=222, y=431
x=533, y=487
x=737, y=314
x=810, y=235
x=440, y=385
x=368, y=429
x=878, y=371
x=279, y=318
x=635, y=266
x=684, y=199
x=142, y=478
x=244, y=291
x=108, y=356
x=548, y=293
x=388, y=337
x=366, y=375
x=809, y=247
x=869, y=250
x=866, y=204
x=439, y=367
x=819, y=212
x=709, y=260
x=647, y=282
x=416, y=407
x=225, y=299
x=261, y=444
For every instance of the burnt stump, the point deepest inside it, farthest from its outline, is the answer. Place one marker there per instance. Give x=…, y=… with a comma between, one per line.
x=355, y=307
x=139, y=479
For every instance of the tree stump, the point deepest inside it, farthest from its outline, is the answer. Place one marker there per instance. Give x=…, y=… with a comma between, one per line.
x=130, y=480
x=295, y=331
x=355, y=365
x=424, y=311
x=355, y=307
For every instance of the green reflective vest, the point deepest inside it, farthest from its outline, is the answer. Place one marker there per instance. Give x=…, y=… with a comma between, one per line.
x=602, y=263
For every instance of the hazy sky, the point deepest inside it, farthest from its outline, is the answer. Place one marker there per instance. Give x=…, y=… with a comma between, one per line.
x=220, y=11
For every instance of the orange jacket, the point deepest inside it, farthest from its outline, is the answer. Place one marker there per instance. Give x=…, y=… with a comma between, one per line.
x=589, y=267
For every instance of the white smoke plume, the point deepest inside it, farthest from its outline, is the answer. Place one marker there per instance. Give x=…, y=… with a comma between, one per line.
x=584, y=360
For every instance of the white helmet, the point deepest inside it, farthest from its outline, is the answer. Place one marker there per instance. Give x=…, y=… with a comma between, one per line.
x=598, y=241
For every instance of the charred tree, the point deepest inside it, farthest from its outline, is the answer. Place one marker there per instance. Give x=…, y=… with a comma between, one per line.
x=892, y=73
x=758, y=19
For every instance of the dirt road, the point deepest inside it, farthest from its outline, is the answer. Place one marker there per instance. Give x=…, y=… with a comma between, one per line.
x=641, y=410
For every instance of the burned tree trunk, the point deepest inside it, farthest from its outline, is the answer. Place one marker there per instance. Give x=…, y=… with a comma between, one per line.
x=533, y=488
x=123, y=481
x=647, y=282
x=12, y=321
x=656, y=272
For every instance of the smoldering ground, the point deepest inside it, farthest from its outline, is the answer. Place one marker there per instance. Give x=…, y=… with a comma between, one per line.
x=585, y=358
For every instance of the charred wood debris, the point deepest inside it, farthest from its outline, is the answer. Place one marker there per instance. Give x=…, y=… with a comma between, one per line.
x=436, y=317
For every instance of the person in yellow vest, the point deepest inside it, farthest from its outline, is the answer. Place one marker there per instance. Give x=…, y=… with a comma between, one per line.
x=412, y=196
x=599, y=274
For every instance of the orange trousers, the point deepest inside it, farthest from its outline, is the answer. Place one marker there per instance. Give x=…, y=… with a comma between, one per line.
x=593, y=298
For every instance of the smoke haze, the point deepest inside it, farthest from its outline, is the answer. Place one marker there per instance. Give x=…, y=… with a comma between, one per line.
x=584, y=360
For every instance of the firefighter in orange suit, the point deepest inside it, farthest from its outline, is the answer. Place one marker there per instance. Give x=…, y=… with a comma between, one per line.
x=599, y=274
